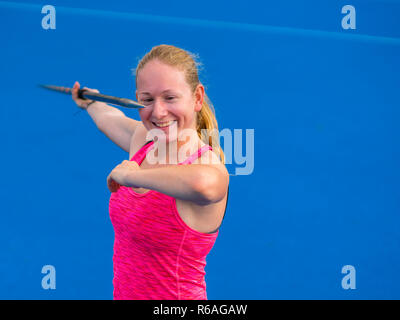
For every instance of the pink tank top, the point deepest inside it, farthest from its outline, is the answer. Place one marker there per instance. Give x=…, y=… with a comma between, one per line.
x=157, y=256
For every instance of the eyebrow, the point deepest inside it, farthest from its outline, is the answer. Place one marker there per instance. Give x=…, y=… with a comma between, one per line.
x=168, y=90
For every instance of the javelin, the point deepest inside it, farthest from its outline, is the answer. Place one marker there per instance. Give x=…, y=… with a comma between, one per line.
x=85, y=94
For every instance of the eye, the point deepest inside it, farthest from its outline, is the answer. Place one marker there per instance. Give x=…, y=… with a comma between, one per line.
x=170, y=98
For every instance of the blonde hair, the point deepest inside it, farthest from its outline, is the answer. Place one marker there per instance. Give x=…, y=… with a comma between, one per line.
x=186, y=62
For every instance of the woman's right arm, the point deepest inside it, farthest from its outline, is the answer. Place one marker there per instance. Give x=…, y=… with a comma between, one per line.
x=109, y=120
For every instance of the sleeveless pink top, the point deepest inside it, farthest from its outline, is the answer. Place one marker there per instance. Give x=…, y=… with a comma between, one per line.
x=157, y=256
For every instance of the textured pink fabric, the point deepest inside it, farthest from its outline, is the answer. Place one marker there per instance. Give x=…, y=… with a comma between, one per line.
x=156, y=255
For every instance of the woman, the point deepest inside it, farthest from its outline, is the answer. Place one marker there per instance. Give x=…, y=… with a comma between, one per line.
x=165, y=214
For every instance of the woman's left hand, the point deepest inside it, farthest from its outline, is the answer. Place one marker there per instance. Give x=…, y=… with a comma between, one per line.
x=118, y=176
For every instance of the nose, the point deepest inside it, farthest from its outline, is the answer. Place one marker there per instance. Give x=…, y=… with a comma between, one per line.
x=159, y=110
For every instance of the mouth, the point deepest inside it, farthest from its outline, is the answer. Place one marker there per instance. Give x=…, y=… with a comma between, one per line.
x=163, y=125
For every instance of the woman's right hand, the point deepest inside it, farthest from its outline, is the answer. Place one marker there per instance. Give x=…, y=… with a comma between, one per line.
x=81, y=103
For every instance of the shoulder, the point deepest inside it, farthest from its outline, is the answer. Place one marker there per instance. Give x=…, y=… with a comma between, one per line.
x=211, y=158
x=138, y=139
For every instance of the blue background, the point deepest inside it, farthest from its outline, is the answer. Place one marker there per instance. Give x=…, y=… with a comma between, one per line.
x=324, y=104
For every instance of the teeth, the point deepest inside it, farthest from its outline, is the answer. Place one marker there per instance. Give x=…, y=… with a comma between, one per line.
x=164, y=124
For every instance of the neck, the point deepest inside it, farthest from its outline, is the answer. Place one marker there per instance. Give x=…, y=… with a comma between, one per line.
x=176, y=151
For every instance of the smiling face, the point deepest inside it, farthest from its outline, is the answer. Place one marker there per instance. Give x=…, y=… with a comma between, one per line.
x=168, y=99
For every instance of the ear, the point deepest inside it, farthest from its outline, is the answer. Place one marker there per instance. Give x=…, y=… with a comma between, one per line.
x=136, y=96
x=199, y=97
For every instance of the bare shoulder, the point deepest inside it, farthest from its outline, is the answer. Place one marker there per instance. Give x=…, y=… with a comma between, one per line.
x=211, y=158
x=208, y=218
x=220, y=179
x=138, y=139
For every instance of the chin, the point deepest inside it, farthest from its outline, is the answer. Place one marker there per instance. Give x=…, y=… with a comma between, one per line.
x=165, y=138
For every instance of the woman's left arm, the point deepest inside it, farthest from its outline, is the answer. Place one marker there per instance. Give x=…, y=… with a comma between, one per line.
x=199, y=183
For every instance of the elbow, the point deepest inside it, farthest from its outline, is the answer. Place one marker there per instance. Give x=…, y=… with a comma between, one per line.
x=211, y=188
